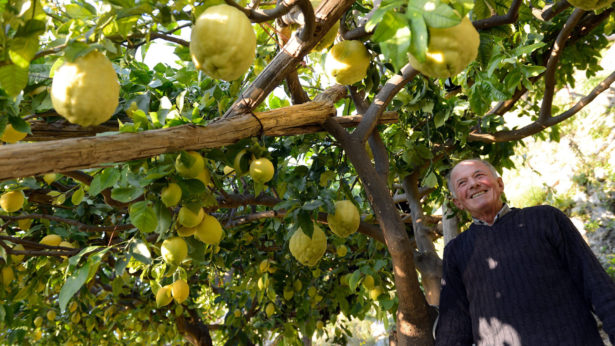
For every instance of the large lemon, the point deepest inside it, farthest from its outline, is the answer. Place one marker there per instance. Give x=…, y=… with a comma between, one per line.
x=164, y=296
x=308, y=251
x=51, y=240
x=450, y=50
x=261, y=170
x=86, y=91
x=193, y=170
x=24, y=224
x=590, y=5
x=10, y=135
x=189, y=218
x=209, y=231
x=223, y=43
x=174, y=250
x=345, y=220
x=18, y=258
x=347, y=62
x=180, y=290
x=7, y=276
x=171, y=195
x=12, y=201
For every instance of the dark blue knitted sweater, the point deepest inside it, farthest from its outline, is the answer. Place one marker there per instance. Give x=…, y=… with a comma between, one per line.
x=530, y=279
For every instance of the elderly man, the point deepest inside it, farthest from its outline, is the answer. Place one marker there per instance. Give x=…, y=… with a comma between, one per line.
x=518, y=276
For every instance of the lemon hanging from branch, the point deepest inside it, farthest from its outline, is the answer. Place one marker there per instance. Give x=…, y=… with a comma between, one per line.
x=450, y=50
x=223, y=43
x=308, y=251
x=86, y=91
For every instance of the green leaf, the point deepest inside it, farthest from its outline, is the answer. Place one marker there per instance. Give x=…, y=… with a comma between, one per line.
x=139, y=250
x=304, y=219
x=420, y=35
x=77, y=196
x=312, y=205
x=353, y=281
x=430, y=180
x=440, y=118
x=72, y=285
x=105, y=179
x=22, y=50
x=396, y=48
x=77, y=11
x=13, y=79
x=143, y=217
x=164, y=216
x=126, y=194
x=440, y=16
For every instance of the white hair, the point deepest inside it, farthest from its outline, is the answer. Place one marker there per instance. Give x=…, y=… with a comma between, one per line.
x=451, y=187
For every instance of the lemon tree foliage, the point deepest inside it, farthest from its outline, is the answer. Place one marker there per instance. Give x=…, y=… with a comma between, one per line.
x=269, y=238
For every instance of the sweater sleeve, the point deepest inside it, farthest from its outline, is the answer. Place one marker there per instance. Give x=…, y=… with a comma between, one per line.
x=589, y=276
x=454, y=326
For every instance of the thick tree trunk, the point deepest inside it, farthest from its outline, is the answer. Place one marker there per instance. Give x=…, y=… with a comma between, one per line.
x=414, y=318
x=428, y=262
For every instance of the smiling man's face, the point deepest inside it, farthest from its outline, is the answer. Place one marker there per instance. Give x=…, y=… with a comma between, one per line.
x=477, y=190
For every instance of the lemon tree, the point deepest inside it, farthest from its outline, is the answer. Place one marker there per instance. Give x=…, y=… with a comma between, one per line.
x=154, y=225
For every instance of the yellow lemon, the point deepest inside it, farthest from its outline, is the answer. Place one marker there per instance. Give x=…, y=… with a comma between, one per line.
x=223, y=43
x=7, y=276
x=261, y=170
x=180, y=290
x=171, y=195
x=51, y=315
x=86, y=91
x=38, y=321
x=24, y=224
x=18, y=258
x=164, y=296
x=345, y=220
x=192, y=170
x=347, y=62
x=10, y=135
x=186, y=231
x=237, y=313
x=209, y=231
x=270, y=309
x=12, y=201
x=174, y=250
x=375, y=292
x=189, y=218
x=308, y=251
x=450, y=50
x=50, y=178
x=368, y=282
x=341, y=251
x=205, y=177
x=51, y=240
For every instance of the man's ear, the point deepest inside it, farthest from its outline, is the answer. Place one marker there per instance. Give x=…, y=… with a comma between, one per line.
x=501, y=184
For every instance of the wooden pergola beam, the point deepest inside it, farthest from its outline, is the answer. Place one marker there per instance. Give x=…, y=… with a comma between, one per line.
x=31, y=159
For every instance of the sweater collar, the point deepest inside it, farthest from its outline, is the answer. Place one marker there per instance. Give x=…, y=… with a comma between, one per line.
x=505, y=209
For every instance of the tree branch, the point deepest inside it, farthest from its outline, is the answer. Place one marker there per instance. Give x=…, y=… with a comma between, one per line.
x=80, y=226
x=510, y=17
x=381, y=101
x=548, y=12
x=556, y=51
x=538, y=125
